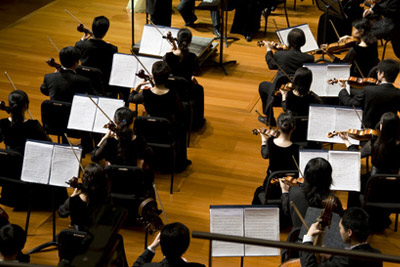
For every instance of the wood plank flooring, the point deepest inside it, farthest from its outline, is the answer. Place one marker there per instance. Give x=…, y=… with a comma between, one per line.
x=227, y=166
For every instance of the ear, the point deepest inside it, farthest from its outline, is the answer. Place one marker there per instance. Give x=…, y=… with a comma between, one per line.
x=349, y=232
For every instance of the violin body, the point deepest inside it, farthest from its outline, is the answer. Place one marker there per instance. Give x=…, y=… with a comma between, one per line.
x=284, y=87
x=355, y=82
x=289, y=180
x=275, y=45
x=360, y=135
x=141, y=74
x=268, y=132
x=341, y=45
x=149, y=214
x=81, y=28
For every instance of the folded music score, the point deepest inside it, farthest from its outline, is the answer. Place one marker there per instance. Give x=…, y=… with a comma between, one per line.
x=49, y=163
x=246, y=221
x=153, y=43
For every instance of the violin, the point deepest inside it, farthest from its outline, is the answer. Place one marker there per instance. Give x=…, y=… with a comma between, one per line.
x=4, y=107
x=141, y=74
x=149, y=215
x=268, y=132
x=82, y=28
x=111, y=126
x=341, y=45
x=355, y=82
x=52, y=63
x=74, y=183
x=171, y=40
x=284, y=87
x=361, y=135
x=289, y=180
x=275, y=45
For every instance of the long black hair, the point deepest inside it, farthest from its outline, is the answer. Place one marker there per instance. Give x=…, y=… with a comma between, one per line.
x=124, y=119
x=95, y=186
x=184, y=40
x=18, y=102
x=365, y=25
x=302, y=80
x=317, y=181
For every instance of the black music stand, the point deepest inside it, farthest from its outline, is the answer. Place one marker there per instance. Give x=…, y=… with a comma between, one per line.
x=332, y=8
x=133, y=22
x=225, y=9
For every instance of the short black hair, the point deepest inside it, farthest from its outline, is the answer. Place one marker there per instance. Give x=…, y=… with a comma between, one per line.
x=391, y=69
x=296, y=38
x=302, y=80
x=184, y=39
x=124, y=115
x=286, y=122
x=69, y=56
x=161, y=72
x=100, y=26
x=12, y=239
x=174, y=240
x=357, y=220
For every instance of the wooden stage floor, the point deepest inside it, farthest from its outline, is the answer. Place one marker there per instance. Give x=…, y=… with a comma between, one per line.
x=227, y=165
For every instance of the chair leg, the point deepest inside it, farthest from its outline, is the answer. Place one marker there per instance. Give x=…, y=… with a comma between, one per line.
x=395, y=222
x=294, y=5
x=287, y=18
x=384, y=50
x=171, y=190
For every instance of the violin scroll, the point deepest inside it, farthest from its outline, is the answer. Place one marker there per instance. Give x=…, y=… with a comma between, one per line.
x=74, y=183
x=4, y=107
x=171, y=40
x=52, y=63
x=81, y=28
x=141, y=74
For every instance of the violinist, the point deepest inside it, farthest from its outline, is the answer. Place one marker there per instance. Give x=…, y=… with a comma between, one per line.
x=289, y=61
x=363, y=53
x=174, y=240
x=316, y=188
x=63, y=85
x=184, y=65
x=120, y=146
x=376, y=99
x=354, y=230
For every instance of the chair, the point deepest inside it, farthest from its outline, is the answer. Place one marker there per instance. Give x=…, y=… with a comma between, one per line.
x=267, y=11
x=299, y=135
x=70, y=243
x=272, y=193
x=387, y=40
x=382, y=192
x=159, y=135
x=129, y=187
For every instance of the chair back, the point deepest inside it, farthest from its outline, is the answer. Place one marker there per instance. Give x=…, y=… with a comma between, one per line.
x=55, y=115
x=155, y=130
x=382, y=191
x=11, y=162
x=272, y=190
x=300, y=133
x=70, y=243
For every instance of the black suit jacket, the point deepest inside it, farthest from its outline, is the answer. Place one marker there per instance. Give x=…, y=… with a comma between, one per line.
x=289, y=61
x=63, y=85
x=147, y=256
x=308, y=259
x=374, y=100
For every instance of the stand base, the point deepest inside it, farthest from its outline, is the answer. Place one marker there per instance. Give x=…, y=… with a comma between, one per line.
x=40, y=248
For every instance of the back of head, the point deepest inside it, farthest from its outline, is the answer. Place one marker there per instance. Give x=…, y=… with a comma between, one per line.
x=124, y=118
x=318, y=179
x=124, y=115
x=357, y=220
x=296, y=38
x=391, y=69
x=286, y=122
x=174, y=240
x=385, y=144
x=18, y=102
x=12, y=240
x=390, y=126
x=184, y=39
x=94, y=181
x=161, y=72
x=69, y=56
x=100, y=26
x=302, y=80
x=364, y=25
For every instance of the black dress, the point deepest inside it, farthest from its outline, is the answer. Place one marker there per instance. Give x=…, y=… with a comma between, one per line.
x=280, y=158
x=79, y=212
x=299, y=105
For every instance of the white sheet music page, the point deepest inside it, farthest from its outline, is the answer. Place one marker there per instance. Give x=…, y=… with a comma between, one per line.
x=82, y=113
x=123, y=71
x=346, y=118
x=321, y=121
x=109, y=106
x=261, y=223
x=305, y=155
x=346, y=170
x=151, y=41
x=338, y=71
x=36, y=164
x=64, y=165
x=320, y=81
x=227, y=221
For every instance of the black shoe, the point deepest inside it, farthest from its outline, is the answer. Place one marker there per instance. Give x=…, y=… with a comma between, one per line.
x=249, y=38
x=216, y=32
x=191, y=23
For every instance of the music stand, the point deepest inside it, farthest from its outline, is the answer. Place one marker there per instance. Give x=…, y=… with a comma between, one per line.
x=225, y=9
x=333, y=8
x=133, y=22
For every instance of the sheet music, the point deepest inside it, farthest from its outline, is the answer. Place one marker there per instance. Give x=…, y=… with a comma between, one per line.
x=64, y=165
x=321, y=121
x=82, y=113
x=338, y=71
x=311, y=43
x=305, y=155
x=153, y=43
x=227, y=221
x=346, y=118
x=109, y=106
x=123, y=71
x=36, y=164
x=319, y=80
x=346, y=166
x=261, y=223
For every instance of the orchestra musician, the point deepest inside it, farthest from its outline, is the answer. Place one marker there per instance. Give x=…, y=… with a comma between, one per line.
x=64, y=84
x=12, y=241
x=96, y=53
x=286, y=61
x=247, y=18
x=120, y=146
x=159, y=11
x=354, y=230
x=363, y=55
x=186, y=8
x=376, y=99
x=162, y=100
x=184, y=65
x=174, y=240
